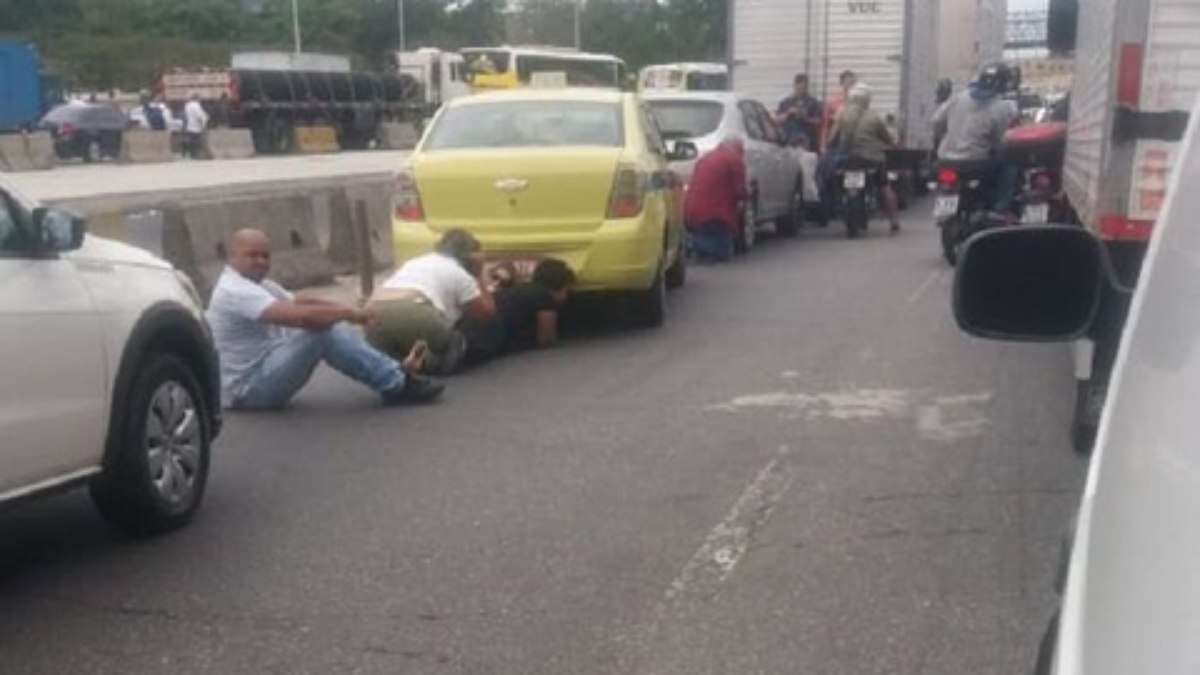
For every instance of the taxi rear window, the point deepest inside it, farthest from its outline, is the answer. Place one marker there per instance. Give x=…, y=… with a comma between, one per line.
x=513, y=124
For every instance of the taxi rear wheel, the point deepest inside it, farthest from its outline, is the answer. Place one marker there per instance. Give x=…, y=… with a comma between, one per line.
x=650, y=306
x=677, y=273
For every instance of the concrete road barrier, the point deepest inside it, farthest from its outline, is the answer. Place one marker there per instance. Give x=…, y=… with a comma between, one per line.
x=228, y=144
x=398, y=136
x=316, y=139
x=14, y=153
x=196, y=236
x=367, y=202
x=40, y=146
x=141, y=145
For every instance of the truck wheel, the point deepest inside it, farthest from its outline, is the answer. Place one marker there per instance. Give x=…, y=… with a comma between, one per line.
x=155, y=475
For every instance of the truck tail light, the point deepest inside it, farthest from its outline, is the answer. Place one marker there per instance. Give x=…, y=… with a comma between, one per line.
x=1129, y=74
x=407, y=201
x=628, y=193
x=947, y=177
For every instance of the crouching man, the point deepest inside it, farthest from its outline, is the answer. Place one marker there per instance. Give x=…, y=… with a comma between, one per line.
x=270, y=341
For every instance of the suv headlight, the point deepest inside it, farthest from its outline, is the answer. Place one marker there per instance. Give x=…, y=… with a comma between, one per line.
x=190, y=288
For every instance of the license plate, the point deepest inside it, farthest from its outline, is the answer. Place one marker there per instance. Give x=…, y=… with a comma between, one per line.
x=945, y=206
x=855, y=180
x=508, y=271
x=1035, y=213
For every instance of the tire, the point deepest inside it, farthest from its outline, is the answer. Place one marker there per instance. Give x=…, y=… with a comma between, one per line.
x=1085, y=421
x=950, y=240
x=135, y=495
x=677, y=273
x=93, y=152
x=856, y=215
x=748, y=234
x=789, y=225
x=650, y=306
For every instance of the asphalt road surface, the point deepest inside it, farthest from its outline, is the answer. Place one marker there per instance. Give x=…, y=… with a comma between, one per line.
x=807, y=470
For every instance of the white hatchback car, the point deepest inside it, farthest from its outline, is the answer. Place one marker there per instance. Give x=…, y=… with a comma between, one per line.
x=109, y=374
x=706, y=118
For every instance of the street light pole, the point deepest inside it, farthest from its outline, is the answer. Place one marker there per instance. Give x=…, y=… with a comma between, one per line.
x=400, y=21
x=296, y=24
x=578, y=42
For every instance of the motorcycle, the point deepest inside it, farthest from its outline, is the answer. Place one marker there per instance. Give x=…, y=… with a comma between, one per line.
x=859, y=196
x=962, y=207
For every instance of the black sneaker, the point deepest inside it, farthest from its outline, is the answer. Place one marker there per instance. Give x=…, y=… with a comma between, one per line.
x=416, y=389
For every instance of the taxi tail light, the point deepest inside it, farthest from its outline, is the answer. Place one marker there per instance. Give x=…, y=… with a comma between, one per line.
x=407, y=201
x=628, y=193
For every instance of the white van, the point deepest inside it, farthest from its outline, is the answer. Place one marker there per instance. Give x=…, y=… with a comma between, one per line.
x=1131, y=597
x=684, y=77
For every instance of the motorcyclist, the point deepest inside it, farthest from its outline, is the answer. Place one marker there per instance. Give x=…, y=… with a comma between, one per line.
x=863, y=136
x=971, y=126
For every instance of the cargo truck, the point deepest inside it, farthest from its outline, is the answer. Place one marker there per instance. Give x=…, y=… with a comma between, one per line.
x=1137, y=74
x=26, y=91
x=892, y=45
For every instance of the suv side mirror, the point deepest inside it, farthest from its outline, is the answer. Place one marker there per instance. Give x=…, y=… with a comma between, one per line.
x=58, y=230
x=1030, y=283
x=682, y=151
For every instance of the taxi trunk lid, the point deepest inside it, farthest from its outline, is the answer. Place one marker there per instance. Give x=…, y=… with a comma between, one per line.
x=490, y=192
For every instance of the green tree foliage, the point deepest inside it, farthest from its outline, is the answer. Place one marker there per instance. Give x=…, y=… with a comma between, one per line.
x=105, y=44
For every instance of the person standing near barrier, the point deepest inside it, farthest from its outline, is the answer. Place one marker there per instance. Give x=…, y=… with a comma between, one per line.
x=195, y=121
x=271, y=341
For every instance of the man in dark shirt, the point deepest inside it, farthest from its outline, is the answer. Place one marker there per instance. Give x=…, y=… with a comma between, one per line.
x=526, y=315
x=800, y=114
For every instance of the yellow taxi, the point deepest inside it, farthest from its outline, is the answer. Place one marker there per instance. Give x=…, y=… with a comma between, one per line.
x=575, y=174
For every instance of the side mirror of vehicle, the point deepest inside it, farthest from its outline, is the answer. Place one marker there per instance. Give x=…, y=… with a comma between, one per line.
x=58, y=230
x=1030, y=283
x=682, y=151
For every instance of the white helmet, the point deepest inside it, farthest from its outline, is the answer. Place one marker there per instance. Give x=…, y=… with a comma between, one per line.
x=860, y=94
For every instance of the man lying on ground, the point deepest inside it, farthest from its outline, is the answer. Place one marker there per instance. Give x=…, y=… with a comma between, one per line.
x=526, y=314
x=271, y=341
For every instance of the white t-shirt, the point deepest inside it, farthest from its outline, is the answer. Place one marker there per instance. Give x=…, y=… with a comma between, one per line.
x=441, y=279
x=195, y=118
x=242, y=338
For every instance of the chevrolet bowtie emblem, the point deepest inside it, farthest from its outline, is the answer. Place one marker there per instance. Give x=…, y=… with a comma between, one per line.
x=511, y=185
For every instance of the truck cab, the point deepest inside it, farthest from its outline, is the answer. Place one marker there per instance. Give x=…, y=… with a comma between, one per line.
x=442, y=74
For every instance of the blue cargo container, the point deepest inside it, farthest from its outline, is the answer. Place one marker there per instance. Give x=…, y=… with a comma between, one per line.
x=25, y=92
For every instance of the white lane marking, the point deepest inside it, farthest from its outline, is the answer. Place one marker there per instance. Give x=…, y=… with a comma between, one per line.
x=937, y=418
x=727, y=543
x=932, y=279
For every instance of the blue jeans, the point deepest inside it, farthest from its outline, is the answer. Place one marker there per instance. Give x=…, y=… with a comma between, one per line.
x=711, y=240
x=290, y=365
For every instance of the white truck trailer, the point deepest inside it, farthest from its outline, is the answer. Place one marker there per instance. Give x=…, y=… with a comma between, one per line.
x=892, y=45
x=1137, y=74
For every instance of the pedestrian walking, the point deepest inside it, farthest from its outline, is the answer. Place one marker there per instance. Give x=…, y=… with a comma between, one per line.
x=712, y=209
x=270, y=341
x=195, y=121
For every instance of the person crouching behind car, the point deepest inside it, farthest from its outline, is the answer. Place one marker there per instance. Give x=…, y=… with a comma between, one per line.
x=526, y=314
x=714, y=197
x=271, y=341
x=426, y=298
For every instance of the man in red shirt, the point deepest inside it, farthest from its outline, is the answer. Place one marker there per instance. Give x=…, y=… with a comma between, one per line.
x=835, y=103
x=714, y=197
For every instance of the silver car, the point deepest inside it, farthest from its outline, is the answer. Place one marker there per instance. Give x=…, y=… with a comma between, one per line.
x=773, y=169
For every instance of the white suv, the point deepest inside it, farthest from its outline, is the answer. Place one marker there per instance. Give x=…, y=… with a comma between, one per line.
x=107, y=376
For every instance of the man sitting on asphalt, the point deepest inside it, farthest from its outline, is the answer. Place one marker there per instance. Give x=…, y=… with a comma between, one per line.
x=712, y=206
x=526, y=313
x=270, y=341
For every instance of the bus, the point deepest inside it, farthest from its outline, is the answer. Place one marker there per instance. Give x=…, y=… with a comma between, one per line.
x=509, y=67
x=684, y=77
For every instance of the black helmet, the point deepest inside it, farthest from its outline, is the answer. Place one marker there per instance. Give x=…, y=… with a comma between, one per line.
x=996, y=77
x=944, y=88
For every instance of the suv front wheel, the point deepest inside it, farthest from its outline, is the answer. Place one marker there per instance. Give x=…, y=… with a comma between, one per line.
x=156, y=473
